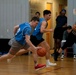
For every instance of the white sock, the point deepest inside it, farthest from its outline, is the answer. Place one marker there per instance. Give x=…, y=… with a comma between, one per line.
x=47, y=61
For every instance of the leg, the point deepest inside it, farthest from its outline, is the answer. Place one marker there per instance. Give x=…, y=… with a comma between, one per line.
x=34, y=54
x=35, y=57
x=20, y=52
x=63, y=52
x=74, y=50
x=47, y=47
x=7, y=56
x=57, y=45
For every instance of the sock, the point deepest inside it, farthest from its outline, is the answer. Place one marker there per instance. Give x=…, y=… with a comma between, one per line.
x=35, y=63
x=47, y=61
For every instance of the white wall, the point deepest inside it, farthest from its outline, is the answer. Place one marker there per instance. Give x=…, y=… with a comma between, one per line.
x=71, y=15
x=12, y=12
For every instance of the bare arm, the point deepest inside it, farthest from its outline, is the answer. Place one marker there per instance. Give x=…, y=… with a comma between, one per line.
x=43, y=28
x=27, y=38
x=15, y=29
x=65, y=25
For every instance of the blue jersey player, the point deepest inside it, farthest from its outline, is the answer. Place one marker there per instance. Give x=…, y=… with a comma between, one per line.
x=21, y=40
x=37, y=37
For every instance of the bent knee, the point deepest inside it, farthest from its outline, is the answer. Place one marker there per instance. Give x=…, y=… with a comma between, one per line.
x=10, y=55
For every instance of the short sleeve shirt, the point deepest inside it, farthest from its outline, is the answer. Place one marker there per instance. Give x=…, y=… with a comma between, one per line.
x=24, y=29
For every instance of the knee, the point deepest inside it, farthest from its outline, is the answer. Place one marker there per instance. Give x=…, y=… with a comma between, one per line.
x=47, y=48
x=10, y=55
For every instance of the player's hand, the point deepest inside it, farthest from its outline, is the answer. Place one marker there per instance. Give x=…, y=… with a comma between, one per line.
x=64, y=26
x=51, y=30
x=38, y=47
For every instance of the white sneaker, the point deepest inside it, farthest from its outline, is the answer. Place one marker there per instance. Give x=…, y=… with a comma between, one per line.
x=50, y=64
x=74, y=56
x=8, y=60
x=62, y=56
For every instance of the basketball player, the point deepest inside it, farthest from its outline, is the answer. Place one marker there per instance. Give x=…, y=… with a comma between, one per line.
x=22, y=51
x=37, y=36
x=21, y=40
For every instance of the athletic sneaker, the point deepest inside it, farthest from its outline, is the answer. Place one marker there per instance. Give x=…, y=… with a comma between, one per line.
x=8, y=60
x=62, y=56
x=39, y=66
x=48, y=64
x=74, y=57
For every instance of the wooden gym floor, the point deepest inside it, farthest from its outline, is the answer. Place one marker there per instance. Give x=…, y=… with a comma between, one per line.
x=23, y=65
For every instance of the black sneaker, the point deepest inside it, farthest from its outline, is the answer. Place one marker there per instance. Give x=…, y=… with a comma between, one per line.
x=56, y=54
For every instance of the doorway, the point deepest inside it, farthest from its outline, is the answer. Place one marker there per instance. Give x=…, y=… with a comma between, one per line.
x=49, y=37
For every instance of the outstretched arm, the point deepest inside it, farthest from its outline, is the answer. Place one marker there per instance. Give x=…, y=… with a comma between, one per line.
x=27, y=38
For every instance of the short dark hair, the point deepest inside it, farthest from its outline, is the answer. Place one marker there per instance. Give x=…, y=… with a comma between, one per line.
x=35, y=19
x=63, y=10
x=37, y=13
x=69, y=27
x=45, y=12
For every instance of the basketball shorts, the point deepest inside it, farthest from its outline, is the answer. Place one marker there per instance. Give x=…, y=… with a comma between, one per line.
x=16, y=46
x=58, y=33
x=35, y=41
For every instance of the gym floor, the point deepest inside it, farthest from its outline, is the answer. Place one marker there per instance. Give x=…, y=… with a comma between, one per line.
x=24, y=65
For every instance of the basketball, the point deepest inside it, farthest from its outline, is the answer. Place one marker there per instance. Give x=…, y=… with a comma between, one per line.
x=41, y=52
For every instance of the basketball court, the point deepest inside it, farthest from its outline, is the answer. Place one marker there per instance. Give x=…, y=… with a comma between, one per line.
x=24, y=65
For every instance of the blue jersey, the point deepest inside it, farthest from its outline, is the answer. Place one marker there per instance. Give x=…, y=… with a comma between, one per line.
x=36, y=31
x=24, y=29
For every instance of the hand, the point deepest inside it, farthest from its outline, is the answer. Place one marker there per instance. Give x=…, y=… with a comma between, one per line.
x=51, y=30
x=38, y=47
x=64, y=26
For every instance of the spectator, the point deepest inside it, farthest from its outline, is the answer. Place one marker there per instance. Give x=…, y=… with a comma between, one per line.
x=61, y=24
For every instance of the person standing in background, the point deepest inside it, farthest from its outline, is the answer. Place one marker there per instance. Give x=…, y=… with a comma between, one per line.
x=61, y=24
x=37, y=14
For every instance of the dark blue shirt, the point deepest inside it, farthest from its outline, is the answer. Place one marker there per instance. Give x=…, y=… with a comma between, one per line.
x=61, y=21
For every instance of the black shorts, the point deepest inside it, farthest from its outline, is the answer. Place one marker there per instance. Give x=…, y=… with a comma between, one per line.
x=35, y=41
x=58, y=33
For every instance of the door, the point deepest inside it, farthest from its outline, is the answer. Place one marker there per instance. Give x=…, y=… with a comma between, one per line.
x=49, y=37
x=60, y=7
